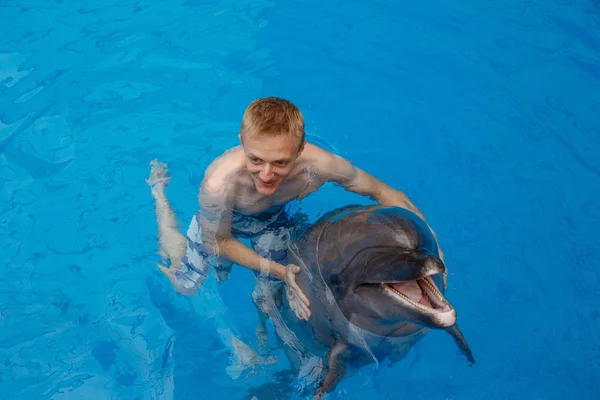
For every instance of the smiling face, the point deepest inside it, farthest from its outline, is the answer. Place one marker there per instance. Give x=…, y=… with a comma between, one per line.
x=270, y=159
x=272, y=136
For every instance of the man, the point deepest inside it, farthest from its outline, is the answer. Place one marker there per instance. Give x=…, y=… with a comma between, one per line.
x=243, y=196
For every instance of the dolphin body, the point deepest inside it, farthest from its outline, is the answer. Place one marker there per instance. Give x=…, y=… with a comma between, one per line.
x=373, y=276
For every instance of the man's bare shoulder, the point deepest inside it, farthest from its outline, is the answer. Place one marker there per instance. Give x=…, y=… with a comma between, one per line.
x=318, y=157
x=313, y=154
x=221, y=174
x=326, y=164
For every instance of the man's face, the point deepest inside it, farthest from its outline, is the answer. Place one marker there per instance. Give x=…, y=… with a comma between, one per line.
x=270, y=160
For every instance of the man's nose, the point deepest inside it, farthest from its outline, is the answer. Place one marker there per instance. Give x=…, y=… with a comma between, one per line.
x=266, y=173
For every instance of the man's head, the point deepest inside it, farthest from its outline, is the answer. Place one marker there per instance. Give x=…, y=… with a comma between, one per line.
x=272, y=135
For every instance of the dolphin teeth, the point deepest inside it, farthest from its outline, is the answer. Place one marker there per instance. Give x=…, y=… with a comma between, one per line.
x=418, y=305
x=433, y=289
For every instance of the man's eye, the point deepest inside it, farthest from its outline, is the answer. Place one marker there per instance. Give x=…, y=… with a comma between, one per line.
x=255, y=160
x=280, y=163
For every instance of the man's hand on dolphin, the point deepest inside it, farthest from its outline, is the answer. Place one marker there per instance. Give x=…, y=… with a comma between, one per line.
x=295, y=296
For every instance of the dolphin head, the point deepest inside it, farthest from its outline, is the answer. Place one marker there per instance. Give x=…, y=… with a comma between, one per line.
x=382, y=265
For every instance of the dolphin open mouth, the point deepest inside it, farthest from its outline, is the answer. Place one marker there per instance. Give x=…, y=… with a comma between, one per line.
x=423, y=296
x=421, y=293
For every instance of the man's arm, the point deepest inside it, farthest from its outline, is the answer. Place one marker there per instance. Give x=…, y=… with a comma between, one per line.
x=216, y=203
x=337, y=169
x=215, y=220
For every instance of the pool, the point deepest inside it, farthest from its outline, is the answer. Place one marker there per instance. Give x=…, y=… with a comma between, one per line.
x=486, y=114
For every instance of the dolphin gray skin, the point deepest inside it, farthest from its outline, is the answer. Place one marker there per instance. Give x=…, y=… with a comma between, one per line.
x=373, y=276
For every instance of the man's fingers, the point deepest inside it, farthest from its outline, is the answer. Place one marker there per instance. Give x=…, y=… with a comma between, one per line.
x=306, y=312
x=292, y=282
x=304, y=309
x=300, y=298
x=165, y=270
x=301, y=312
x=299, y=301
x=301, y=294
x=298, y=309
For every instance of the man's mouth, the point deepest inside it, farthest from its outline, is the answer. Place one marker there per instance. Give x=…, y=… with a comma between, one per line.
x=267, y=184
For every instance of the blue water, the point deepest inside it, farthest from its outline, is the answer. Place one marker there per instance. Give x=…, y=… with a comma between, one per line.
x=486, y=113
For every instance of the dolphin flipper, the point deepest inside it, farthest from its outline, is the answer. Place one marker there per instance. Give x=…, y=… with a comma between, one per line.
x=336, y=367
x=461, y=342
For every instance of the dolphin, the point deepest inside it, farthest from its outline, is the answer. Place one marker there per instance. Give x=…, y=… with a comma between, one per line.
x=373, y=275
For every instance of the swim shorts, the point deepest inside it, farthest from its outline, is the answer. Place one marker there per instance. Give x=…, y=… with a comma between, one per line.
x=268, y=233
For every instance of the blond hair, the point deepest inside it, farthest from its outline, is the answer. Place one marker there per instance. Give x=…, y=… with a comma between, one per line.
x=272, y=116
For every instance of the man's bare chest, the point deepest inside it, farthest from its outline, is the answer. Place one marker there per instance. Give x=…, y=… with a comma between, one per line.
x=249, y=201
